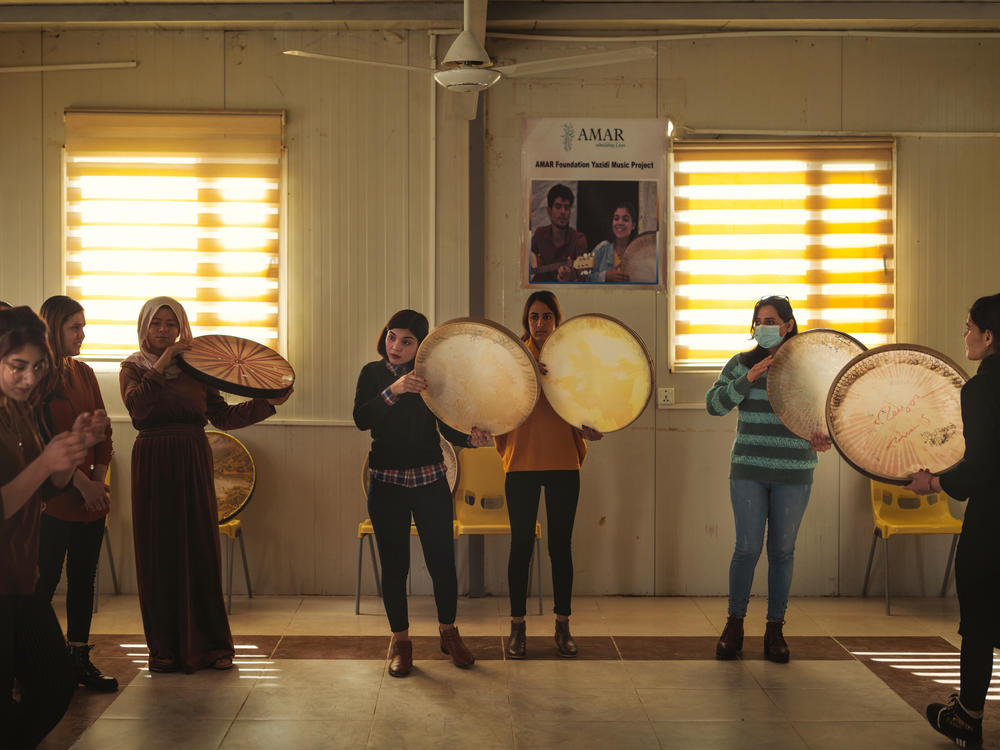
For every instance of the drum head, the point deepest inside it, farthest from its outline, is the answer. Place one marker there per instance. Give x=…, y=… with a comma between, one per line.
x=801, y=374
x=896, y=409
x=639, y=260
x=599, y=372
x=235, y=473
x=478, y=373
x=451, y=467
x=236, y=365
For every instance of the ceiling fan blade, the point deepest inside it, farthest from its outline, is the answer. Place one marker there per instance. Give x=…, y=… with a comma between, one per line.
x=337, y=58
x=577, y=61
x=68, y=66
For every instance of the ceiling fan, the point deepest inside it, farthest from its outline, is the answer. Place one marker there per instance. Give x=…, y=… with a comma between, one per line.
x=467, y=68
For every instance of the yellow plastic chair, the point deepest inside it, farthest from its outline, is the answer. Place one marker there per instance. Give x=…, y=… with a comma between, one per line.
x=481, y=503
x=898, y=511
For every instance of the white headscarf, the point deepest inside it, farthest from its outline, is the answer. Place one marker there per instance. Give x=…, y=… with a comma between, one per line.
x=144, y=359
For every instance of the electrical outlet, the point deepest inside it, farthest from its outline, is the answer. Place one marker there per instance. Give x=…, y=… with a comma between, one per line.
x=664, y=397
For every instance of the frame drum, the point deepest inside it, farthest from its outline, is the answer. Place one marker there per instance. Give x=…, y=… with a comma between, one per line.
x=599, y=373
x=236, y=365
x=451, y=467
x=896, y=409
x=235, y=473
x=801, y=374
x=639, y=260
x=478, y=373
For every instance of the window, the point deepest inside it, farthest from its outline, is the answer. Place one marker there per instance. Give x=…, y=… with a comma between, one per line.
x=813, y=222
x=180, y=204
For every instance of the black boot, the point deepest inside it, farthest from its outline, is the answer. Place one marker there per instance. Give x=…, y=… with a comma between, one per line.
x=731, y=641
x=565, y=645
x=516, y=642
x=775, y=648
x=87, y=674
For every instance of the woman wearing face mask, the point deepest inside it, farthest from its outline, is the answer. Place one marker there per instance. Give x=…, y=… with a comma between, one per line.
x=977, y=562
x=544, y=451
x=73, y=522
x=175, y=520
x=32, y=649
x=770, y=479
x=608, y=254
x=407, y=481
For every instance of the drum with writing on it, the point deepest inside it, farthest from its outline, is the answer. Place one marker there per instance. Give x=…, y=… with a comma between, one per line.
x=598, y=372
x=478, y=374
x=896, y=409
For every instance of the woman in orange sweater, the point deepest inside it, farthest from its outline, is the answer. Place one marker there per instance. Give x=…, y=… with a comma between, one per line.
x=544, y=451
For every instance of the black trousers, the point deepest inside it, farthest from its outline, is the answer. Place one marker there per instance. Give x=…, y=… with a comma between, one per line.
x=390, y=508
x=562, y=491
x=79, y=544
x=32, y=650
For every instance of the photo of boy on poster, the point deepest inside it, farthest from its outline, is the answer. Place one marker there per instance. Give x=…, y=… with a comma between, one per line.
x=593, y=231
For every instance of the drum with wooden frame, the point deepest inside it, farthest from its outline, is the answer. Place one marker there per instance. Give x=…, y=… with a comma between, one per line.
x=238, y=366
x=801, y=374
x=896, y=409
x=639, y=260
x=234, y=472
x=598, y=372
x=478, y=374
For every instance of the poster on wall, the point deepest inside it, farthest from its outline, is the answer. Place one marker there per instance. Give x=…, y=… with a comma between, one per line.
x=592, y=189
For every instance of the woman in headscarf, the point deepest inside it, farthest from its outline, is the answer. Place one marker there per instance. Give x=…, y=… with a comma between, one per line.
x=174, y=513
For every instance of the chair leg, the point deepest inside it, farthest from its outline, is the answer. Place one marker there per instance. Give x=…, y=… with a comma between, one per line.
x=538, y=552
x=111, y=560
x=378, y=576
x=868, y=568
x=229, y=577
x=246, y=568
x=885, y=547
x=357, y=586
x=947, y=570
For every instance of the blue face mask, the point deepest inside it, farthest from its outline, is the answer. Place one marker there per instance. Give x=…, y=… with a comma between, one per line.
x=767, y=336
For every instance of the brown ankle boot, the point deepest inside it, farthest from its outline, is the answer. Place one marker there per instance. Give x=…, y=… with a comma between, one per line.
x=516, y=642
x=400, y=658
x=565, y=644
x=731, y=641
x=451, y=644
x=775, y=648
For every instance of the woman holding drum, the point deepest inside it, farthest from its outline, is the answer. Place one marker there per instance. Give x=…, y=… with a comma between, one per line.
x=609, y=254
x=769, y=480
x=174, y=511
x=977, y=562
x=544, y=451
x=407, y=480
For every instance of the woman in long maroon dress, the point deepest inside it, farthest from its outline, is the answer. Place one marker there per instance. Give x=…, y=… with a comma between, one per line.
x=174, y=514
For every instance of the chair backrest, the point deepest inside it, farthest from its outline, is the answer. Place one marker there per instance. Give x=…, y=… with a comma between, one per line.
x=893, y=504
x=479, y=495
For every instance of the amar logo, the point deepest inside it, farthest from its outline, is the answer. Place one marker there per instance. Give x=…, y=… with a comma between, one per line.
x=568, y=136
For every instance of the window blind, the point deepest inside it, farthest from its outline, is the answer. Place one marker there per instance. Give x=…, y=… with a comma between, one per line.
x=810, y=221
x=181, y=204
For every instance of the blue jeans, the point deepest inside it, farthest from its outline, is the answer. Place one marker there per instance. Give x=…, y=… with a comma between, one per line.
x=780, y=507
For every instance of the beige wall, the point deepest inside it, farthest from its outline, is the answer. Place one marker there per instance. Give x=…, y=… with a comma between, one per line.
x=372, y=227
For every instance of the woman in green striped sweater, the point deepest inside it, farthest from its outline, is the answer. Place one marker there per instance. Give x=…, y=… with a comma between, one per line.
x=769, y=479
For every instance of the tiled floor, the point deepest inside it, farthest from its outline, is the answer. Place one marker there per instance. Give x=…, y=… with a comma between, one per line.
x=311, y=674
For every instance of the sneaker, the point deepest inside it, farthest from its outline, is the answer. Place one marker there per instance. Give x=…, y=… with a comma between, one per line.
x=954, y=722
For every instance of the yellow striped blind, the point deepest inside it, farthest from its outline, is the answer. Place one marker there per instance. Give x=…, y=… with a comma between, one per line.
x=184, y=204
x=810, y=221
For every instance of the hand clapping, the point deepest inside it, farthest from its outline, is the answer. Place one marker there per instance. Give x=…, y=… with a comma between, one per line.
x=91, y=426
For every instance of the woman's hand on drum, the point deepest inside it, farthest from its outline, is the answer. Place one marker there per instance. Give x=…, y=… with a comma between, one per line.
x=615, y=276
x=922, y=483
x=542, y=368
x=820, y=441
x=589, y=433
x=478, y=438
x=170, y=353
x=279, y=400
x=409, y=383
x=759, y=369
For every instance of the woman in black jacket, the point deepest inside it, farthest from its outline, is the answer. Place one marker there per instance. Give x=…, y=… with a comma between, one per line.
x=977, y=564
x=407, y=479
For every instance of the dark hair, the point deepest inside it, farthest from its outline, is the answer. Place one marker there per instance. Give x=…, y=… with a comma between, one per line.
x=548, y=299
x=55, y=311
x=411, y=320
x=631, y=212
x=559, y=191
x=784, y=308
x=20, y=327
x=985, y=313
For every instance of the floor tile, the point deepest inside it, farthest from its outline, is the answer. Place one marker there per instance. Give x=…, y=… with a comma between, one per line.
x=730, y=735
x=315, y=702
x=300, y=735
x=685, y=675
x=572, y=704
x=823, y=704
x=325, y=647
x=165, y=732
x=590, y=735
x=876, y=734
x=554, y=675
x=435, y=733
x=732, y=704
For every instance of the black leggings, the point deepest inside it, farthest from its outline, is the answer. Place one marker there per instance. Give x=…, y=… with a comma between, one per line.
x=32, y=650
x=977, y=669
x=79, y=544
x=562, y=491
x=390, y=507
